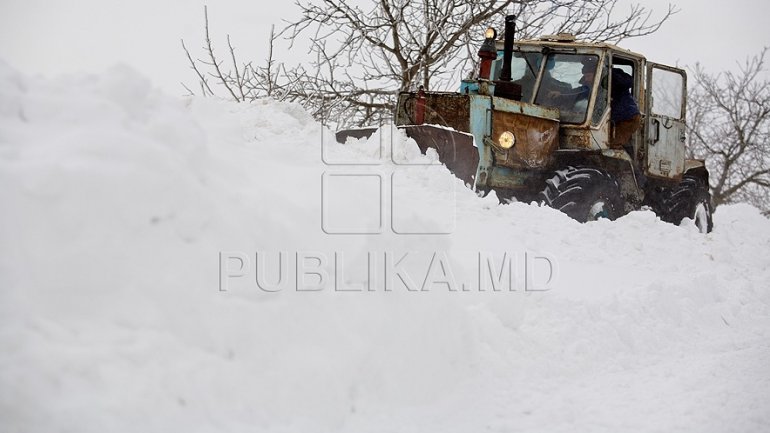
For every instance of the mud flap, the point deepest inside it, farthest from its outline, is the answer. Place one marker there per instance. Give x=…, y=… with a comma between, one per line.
x=455, y=149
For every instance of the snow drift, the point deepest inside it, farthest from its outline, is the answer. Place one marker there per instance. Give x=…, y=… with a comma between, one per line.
x=129, y=215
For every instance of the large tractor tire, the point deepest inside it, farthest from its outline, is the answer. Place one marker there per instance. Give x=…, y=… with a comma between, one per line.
x=689, y=199
x=583, y=193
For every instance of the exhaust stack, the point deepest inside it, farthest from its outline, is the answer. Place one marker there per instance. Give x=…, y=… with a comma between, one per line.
x=504, y=88
x=510, y=31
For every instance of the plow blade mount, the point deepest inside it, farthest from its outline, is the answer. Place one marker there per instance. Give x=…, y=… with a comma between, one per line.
x=455, y=149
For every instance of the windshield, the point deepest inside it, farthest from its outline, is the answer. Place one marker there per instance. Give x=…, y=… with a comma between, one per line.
x=567, y=84
x=524, y=70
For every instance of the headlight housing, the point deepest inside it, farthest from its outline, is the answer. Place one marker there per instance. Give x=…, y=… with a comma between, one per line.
x=506, y=140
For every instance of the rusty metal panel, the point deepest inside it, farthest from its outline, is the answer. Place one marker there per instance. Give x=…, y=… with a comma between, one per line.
x=445, y=109
x=577, y=138
x=536, y=139
x=511, y=106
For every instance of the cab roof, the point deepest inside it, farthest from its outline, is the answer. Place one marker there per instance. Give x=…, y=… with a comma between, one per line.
x=566, y=41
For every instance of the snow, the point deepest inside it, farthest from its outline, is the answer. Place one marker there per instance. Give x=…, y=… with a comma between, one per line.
x=122, y=203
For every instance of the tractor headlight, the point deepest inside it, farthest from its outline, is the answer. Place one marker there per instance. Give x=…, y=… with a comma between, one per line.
x=490, y=33
x=506, y=140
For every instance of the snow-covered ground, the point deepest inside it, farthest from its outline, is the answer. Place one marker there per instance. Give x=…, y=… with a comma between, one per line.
x=135, y=228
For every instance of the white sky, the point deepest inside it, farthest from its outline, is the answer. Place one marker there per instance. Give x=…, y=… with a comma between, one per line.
x=51, y=37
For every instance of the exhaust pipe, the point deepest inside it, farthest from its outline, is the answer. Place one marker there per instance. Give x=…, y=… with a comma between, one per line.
x=504, y=88
x=510, y=31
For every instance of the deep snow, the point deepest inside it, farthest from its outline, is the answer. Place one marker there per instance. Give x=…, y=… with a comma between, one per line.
x=119, y=203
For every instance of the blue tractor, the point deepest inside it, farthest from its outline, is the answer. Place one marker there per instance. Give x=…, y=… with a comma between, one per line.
x=539, y=123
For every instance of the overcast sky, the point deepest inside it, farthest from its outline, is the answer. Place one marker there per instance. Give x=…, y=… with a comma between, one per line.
x=51, y=37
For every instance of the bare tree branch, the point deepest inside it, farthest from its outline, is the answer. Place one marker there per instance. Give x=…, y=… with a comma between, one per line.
x=203, y=81
x=730, y=125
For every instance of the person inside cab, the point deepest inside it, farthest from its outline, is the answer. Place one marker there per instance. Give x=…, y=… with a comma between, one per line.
x=588, y=72
x=554, y=92
x=624, y=115
x=567, y=85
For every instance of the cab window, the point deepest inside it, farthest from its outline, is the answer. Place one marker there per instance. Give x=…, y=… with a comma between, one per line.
x=525, y=67
x=567, y=84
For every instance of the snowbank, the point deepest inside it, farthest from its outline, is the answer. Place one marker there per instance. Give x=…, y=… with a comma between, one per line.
x=128, y=215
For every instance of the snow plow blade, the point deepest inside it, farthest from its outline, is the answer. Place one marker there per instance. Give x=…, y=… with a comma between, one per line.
x=455, y=149
x=343, y=135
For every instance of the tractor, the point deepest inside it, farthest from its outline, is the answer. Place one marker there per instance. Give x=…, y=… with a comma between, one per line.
x=508, y=131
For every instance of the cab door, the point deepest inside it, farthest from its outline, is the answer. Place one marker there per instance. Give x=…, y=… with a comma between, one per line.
x=666, y=97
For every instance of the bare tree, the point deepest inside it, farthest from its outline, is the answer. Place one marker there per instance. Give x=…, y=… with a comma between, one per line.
x=729, y=124
x=240, y=81
x=366, y=51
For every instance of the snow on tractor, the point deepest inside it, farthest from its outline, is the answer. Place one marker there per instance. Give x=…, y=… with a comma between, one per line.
x=591, y=129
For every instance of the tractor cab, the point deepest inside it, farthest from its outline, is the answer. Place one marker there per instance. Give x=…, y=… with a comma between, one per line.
x=566, y=81
x=572, y=77
x=578, y=80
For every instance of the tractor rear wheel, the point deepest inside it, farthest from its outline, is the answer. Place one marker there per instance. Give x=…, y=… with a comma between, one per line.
x=689, y=199
x=583, y=193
